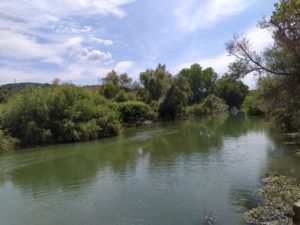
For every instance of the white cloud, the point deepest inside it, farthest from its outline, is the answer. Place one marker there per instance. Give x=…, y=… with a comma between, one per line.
x=58, y=9
x=50, y=31
x=22, y=46
x=124, y=66
x=259, y=38
x=195, y=14
x=103, y=41
x=219, y=63
x=97, y=55
x=22, y=24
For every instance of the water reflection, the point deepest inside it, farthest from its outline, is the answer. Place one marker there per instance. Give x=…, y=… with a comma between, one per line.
x=164, y=174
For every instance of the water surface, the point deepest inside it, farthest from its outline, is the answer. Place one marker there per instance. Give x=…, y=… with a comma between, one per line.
x=167, y=174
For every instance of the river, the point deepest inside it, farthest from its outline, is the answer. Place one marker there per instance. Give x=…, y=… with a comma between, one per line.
x=167, y=174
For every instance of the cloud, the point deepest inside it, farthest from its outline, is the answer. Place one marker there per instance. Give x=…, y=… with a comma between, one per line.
x=10, y=75
x=56, y=32
x=124, y=66
x=97, y=55
x=20, y=46
x=102, y=41
x=58, y=9
x=219, y=63
x=259, y=38
x=195, y=14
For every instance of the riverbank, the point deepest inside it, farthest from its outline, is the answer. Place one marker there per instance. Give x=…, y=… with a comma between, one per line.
x=278, y=196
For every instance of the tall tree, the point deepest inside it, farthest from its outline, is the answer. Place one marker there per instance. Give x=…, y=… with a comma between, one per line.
x=176, y=99
x=155, y=82
x=281, y=61
x=232, y=91
x=201, y=81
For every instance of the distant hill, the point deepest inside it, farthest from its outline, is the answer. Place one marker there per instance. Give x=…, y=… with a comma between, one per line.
x=8, y=90
x=20, y=86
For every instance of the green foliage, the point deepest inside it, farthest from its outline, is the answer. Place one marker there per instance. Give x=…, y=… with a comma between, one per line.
x=253, y=104
x=116, y=86
x=211, y=105
x=155, y=83
x=7, y=143
x=8, y=90
x=134, y=112
x=68, y=113
x=280, y=62
x=201, y=81
x=64, y=113
x=176, y=99
x=232, y=91
x=109, y=90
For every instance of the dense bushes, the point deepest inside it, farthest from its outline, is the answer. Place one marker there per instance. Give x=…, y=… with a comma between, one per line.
x=7, y=143
x=212, y=105
x=134, y=112
x=68, y=113
x=64, y=113
x=254, y=105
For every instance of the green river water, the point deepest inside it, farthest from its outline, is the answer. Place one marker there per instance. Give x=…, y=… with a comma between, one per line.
x=166, y=174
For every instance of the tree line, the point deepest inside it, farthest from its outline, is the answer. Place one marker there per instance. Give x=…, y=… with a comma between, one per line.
x=35, y=114
x=66, y=113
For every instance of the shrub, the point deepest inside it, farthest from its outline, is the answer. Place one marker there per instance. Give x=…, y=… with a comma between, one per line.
x=64, y=113
x=7, y=143
x=253, y=105
x=211, y=105
x=89, y=130
x=134, y=111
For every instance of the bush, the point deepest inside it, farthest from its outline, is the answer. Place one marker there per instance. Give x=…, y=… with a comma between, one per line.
x=287, y=119
x=253, y=105
x=64, y=113
x=7, y=143
x=134, y=112
x=211, y=105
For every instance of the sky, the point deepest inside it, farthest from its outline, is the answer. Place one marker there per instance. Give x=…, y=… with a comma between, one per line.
x=79, y=41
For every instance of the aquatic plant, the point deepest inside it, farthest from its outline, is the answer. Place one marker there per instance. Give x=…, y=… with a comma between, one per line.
x=278, y=196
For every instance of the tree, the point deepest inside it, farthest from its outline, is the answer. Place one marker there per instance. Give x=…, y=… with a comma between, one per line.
x=231, y=90
x=202, y=82
x=155, y=82
x=116, y=86
x=176, y=99
x=281, y=61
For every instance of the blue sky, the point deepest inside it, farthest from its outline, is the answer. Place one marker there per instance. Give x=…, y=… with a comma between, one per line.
x=81, y=40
